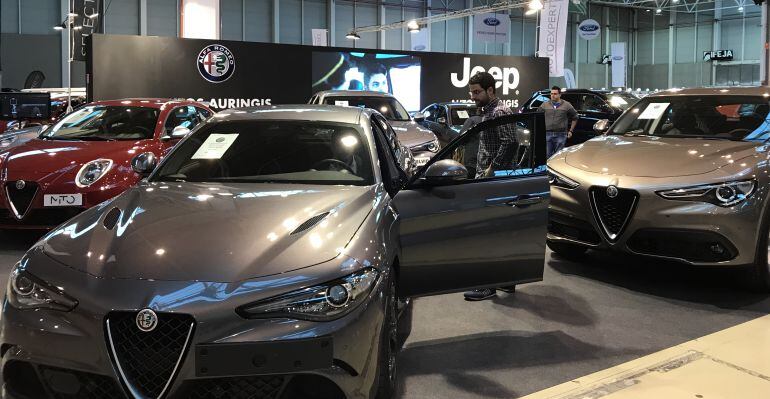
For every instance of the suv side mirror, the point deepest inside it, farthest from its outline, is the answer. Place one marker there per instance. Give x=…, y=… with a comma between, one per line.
x=602, y=126
x=441, y=120
x=445, y=171
x=144, y=163
x=178, y=133
x=418, y=117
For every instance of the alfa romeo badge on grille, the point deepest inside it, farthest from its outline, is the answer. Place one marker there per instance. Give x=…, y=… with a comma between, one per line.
x=20, y=184
x=612, y=191
x=146, y=320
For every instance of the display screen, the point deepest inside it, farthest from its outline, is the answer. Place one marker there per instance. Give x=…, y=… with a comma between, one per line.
x=397, y=74
x=25, y=105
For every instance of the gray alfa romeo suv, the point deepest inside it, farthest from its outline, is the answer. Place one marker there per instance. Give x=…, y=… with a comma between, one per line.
x=681, y=175
x=271, y=254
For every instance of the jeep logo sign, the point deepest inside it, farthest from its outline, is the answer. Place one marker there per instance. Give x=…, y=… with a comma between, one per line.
x=508, y=78
x=589, y=29
x=492, y=21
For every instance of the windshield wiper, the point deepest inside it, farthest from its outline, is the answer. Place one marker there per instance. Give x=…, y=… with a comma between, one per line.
x=179, y=177
x=93, y=138
x=58, y=138
x=636, y=133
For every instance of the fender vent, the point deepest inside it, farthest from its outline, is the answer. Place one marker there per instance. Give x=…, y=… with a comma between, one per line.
x=111, y=218
x=308, y=224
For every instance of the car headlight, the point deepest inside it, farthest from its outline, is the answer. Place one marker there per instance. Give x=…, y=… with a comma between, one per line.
x=26, y=291
x=319, y=303
x=91, y=172
x=559, y=180
x=432, y=146
x=724, y=194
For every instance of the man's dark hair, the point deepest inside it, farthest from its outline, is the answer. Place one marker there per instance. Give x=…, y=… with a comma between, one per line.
x=483, y=79
x=556, y=88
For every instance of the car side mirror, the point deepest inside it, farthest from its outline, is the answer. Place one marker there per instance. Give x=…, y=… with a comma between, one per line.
x=144, y=163
x=419, y=117
x=445, y=171
x=178, y=133
x=602, y=126
x=441, y=120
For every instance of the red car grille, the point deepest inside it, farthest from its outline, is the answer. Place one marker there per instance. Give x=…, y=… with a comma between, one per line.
x=21, y=198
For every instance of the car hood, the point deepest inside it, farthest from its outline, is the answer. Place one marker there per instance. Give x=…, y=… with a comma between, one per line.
x=412, y=134
x=211, y=232
x=655, y=156
x=47, y=160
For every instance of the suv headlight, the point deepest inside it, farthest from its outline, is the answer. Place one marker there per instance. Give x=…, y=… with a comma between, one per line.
x=559, y=180
x=432, y=146
x=319, y=303
x=26, y=291
x=724, y=194
x=91, y=172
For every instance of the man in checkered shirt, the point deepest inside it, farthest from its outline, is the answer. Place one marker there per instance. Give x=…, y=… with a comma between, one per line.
x=496, y=145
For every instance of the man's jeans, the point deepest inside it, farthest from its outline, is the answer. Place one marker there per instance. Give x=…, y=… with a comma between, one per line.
x=554, y=142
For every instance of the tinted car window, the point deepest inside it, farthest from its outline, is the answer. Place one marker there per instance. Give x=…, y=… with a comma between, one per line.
x=186, y=116
x=100, y=122
x=622, y=100
x=593, y=103
x=390, y=108
x=538, y=100
x=698, y=116
x=271, y=151
x=460, y=114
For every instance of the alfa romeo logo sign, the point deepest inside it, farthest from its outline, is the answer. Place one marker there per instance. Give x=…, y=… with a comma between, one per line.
x=20, y=184
x=146, y=320
x=612, y=191
x=216, y=63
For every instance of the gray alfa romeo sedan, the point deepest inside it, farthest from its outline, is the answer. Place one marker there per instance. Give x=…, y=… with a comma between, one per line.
x=681, y=175
x=271, y=254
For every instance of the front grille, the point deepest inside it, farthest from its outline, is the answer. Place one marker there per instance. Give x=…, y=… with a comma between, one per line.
x=147, y=361
x=71, y=384
x=613, y=214
x=40, y=217
x=252, y=387
x=21, y=199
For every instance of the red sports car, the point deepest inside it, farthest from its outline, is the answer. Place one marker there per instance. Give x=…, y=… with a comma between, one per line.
x=86, y=158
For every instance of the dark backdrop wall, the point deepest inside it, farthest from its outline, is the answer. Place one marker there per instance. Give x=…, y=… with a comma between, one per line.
x=269, y=74
x=22, y=54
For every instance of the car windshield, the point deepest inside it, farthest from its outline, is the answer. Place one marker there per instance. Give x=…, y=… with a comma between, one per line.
x=717, y=117
x=623, y=101
x=460, y=114
x=271, y=152
x=390, y=108
x=101, y=122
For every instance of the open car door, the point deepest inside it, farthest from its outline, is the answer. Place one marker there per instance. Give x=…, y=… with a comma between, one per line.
x=485, y=229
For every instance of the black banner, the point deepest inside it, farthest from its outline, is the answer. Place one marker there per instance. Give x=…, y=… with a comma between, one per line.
x=87, y=21
x=230, y=74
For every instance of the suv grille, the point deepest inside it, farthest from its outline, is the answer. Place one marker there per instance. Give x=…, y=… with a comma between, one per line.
x=20, y=199
x=251, y=387
x=613, y=214
x=147, y=361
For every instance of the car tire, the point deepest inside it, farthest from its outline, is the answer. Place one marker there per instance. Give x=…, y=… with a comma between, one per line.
x=567, y=250
x=389, y=346
x=758, y=276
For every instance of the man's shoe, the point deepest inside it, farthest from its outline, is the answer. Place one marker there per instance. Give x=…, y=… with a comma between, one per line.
x=480, y=295
x=511, y=289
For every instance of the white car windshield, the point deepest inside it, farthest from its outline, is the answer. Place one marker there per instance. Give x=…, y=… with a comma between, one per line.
x=271, y=152
x=718, y=117
x=101, y=122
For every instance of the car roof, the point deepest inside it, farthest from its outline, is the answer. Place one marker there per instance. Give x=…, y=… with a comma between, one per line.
x=353, y=93
x=546, y=91
x=141, y=102
x=715, y=91
x=324, y=113
x=458, y=104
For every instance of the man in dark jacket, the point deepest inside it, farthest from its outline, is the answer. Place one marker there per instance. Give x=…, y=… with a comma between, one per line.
x=560, y=121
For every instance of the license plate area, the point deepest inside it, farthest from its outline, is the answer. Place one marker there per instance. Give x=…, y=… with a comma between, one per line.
x=54, y=200
x=250, y=358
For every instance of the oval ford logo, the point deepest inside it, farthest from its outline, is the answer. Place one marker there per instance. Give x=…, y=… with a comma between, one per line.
x=146, y=320
x=589, y=28
x=612, y=191
x=491, y=21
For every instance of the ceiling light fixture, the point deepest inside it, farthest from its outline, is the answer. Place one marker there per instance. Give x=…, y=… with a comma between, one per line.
x=413, y=26
x=535, y=5
x=352, y=36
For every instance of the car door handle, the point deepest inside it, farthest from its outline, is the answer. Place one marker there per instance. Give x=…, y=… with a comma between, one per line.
x=525, y=201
